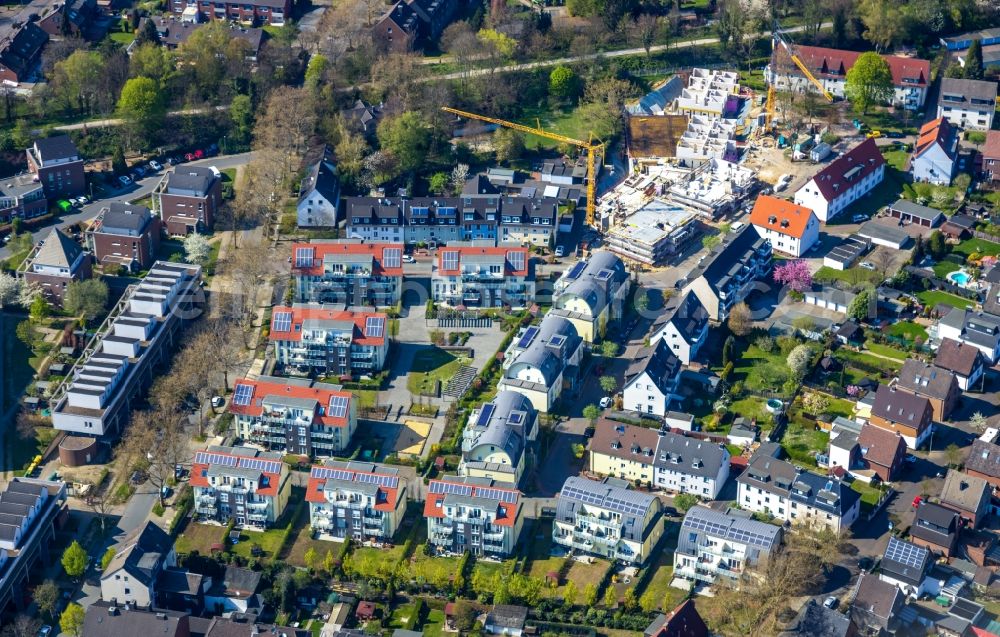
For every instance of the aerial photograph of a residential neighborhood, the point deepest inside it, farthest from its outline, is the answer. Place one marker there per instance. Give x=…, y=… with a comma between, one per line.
x=552, y=318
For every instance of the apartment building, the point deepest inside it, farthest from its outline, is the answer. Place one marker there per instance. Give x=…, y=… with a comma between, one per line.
x=938, y=386
x=607, y=519
x=294, y=415
x=967, y=104
x=319, y=191
x=651, y=381
x=791, y=494
x=792, y=229
x=21, y=196
x=975, y=328
x=653, y=234
x=500, y=440
x=910, y=76
x=32, y=511
x=905, y=413
x=708, y=137
x=21, y=53
x=682, y=325
x=714, y=545
x=477, y=515
x=125, y=234
x=315, y=338
x=591, y=294
x=141, y=557
x=187, y=200
x=542, y=360
x=356, y=500
x=935, y=155
x=138, y=336
x=348, y=272
x=843, y=181
x=991, y=159
x=55, y=263
x=57, y=164
x=659, y=459
x=474, y=276
x=272, y=12
x=730, y=272
x=243, y=484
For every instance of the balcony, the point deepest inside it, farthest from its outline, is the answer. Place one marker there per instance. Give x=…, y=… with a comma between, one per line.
x=209, y=511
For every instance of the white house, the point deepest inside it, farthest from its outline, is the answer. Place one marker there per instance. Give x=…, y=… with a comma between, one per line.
x=651, y=380
x=683, y=326
x=968, y=104
x=844, y=181
x=935, y=153
x=537, y=361
x=792, y=229
x=319, y=192
x=978, y=329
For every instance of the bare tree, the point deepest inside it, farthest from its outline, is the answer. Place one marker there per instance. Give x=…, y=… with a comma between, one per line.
x=22, y=626
x=229, y=349
x=100, y=500
x=248, y=268
x=647, y=28
x=884, y=262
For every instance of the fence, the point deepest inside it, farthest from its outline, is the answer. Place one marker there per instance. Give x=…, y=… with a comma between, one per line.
x=979, y=234
x=452, y=321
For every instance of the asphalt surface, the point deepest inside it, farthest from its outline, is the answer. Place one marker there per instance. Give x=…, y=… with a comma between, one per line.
x=135, y=191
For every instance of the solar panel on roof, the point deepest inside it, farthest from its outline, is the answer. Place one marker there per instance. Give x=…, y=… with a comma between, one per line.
x=485, y=414
x=419, y=211
x=450, y=488
x=529, y=335
x=207, y=457
x=338, y=406
x=449, y=260
x=242, y=395
x=604, y=275
x=516, y=259
x=282, y=321
x=500, y=495
x=374, y=326
x=303, y=257
x=577, y=269
x=392, y=257
x=326, y=473
x=389, y=482
x=905, y=553
x=515, y=418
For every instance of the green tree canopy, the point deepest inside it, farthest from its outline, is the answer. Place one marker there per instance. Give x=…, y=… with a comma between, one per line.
x=508, y=144
x=974, y=61
x=74, y=559
x=76, y=80
x=153, y=61
x=142, y=107
x=563, y=83
x=86, y=298
x=407, y=137
x=859, y=307
x=71, y=621
x=869, y=82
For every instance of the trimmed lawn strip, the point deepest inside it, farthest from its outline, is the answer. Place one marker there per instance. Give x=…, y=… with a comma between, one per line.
x=906, y=329
x=943, y=268
x=885, y=350
x=934, y=298
x=429, y=365
x=981, y=246
x=851, y=276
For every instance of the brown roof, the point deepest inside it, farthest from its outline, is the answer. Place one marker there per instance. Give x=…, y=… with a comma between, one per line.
x=877, y=597
x=683, y=621
x=901, y=407
x=960, y=358
x=654, y=135
x=632, y=441
x=992, y=146
x=984, y=458
x=965, y=492
x=880, y=446
x=921, y=378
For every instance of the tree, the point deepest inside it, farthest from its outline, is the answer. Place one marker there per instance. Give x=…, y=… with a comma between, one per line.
x=241, y=114
x=39, y=309
x=815, y=403
x=591, y=413
x=142, y=107
x=883, y=23
x=869, y=82
x=604, y=105
x=46, y=595
x=22, y=626
x=608, y=384
x=978, y=421
x=317, y=66
x=610, y=597
x=26, y=333
x=465, y=616
x=148, y=33
x=609, y=349
x=974, y=61
x=197, y=248
x=936, y=246
x=648, y=602
x=75, y=79
x=107, y=557
x=629, y=601
x=74, y=560
x=728, y=347
x=407, y=138
x=739, y=25
x=684, y=501
x=439, y=183
x=71, y=620
x=310, y=558
x=508, y=144
x=590, y=595
x=953, y=454
x=563, y=83
x=86, y=298
x=459, y=175
x=153, y=61
x=499, y=43
x=647, y=27
x=860, y=307
x=569, y=594
x=740, y=321
x=798, y=361
x=795, y=274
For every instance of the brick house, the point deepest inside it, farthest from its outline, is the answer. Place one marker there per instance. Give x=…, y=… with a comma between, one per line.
x=56, y=263
x=410, y=23
x=902, y=412
x=21, y=52
x=72, y=17
x=126, y=234
x=937, y=385
x=273, y=12
x=936, y=528
x=23, y=197
x=58, y=166
x=966, y=495
x=187, y=199
x=882, y=451
x=991, y=158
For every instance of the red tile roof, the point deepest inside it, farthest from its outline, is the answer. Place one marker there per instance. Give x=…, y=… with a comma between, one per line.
x=781, y=215
x=847, y=170
x=301, y=313
x=835, y=63
x=199, y=477
x=321, y=250
x=314, y=492
x=991, y=149
x=937, y=131
x=468, y=251
x=683, y=621
x=261, y=389
x=506, y=512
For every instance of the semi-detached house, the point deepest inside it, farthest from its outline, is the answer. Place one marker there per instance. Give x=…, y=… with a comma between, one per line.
x=651, y=381
x=963, y=360
x=845, y=180
x=682, y=325
x=542, y=361
x=968, y=104
x=500, y=440
x=792, y=229
x=909, y=415
x=978, y=329
x=591, y=294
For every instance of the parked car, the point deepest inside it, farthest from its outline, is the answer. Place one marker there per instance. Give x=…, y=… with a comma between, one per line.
x=875, y=134
x=189, y=157
x=560, y=251
x=140, y=170
x=831, y=602
x=605, y=402
x=155, y=166
x=199, y=154
x=408, y=259
x=45, y=631
x=124, y=180
x=218, y=401
x=859, y=218
x=137, y=477
x=867, y=265
x=895, y=135
x=917, y=500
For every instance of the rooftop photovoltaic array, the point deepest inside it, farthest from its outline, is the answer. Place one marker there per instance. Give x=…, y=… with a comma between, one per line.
x=326, y=473
x=515, y=418
x=723, y=527
x=389, y=482
x=577, y=270
x=485, y=414
x=267, y=466
x=303, y=257
x=500, y=495
x=450, y=488
x=392, y=257
x=905, y=553
x=419, y=211
x=529, y=335
x=338, y=406
x=604, y=275
x=282, y=321
x=330, y=472
x=242, y=395
x=449, y=260
x=374, y=326
x=516, y=260
x=207, y=457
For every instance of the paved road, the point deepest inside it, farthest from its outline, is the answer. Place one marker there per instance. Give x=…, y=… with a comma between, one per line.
x=136, y=191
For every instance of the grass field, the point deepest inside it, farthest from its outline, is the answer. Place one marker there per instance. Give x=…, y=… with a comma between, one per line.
x=981, y=246
x=908, y=330
x=760, y=370
x=200, y=538
x=869, y=494
x=896, y=158
x=885, y=350
x=430, y=365
x=943, y=268
x=850, y=276
x=803, y=440
x=890, y=365
x=751, y=407
x=934, y=298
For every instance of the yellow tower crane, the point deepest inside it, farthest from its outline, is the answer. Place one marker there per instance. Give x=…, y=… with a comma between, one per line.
x=777, y=39
x=590, y=147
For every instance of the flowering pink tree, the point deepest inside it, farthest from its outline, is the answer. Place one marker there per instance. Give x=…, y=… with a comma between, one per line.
x=795, y=274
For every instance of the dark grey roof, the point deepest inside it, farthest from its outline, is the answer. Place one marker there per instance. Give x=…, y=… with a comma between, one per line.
x=702, y=523
x=20, y=51
x=507, y=615
x=900, y=406
x=923, y=378
x=543, y=353
x=142, y=553
x=320, y=176
x=984, y=458
x=58, y=250
x=596, y=283
x=56, y=148
x=978, y=328
x=784, y=479
x=126, y=219
x=976, y=95
x=916, y=210
x=876, y=602
x=509, y=423
x=192, y=181
x=935, y=523
x=815, y=620
x=580, y=494
x=734, y=250
x=694, y=457
x=876, y=230
x=905, y=561
x=179, y=581
x=659, y=362
x=240, y=582
x=104, y=619
x=687, y=314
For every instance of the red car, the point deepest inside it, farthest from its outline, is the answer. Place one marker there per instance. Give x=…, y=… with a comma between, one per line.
x=199, y=153
x=917, y=500
x=189, y=157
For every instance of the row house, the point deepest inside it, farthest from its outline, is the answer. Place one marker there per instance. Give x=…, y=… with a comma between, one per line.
x=500, y=440
x=296, y=416
x=843, y=181
x=651, y=381
x=907, y=414
x=659, y=459
x=125, y=234
x=54, y=264
x=730, y=272
x=138, y=336
x=991, y=159
x=910, y=76
x=607, y=519
x=542, y=361
x=187, y=199
x=592, y=294
x=21, y=196
x=714, y=546
x=938, y=386
x=21, y=53
x=348, y=272
x=978, y=329
x=242, y=484
x=477, y=515
x=792, y=229
x=967, y=104
x=791, y=494
x=321, y=339
x=356, y=500
x=474, y=276
x=58, y=166
x=32, y=511
x=682, y=325
x=272, y=12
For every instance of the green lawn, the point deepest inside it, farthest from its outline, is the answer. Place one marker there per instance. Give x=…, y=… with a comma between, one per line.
x=840, y=407
x=933, y=298
x=751, y=407
x=199, y=537
x=803, y=440
x=869, y=494
x=430, y=365
x=851, y=276
x=885, y=350
x=981, y=246
x=19, y=362
x=760, y=370
x=124, y=39
x=667, y=597
x=366, y=397
x=908, y=330
x=868, y=359
x=228, y=175
x=945, y=267
x=896, y=158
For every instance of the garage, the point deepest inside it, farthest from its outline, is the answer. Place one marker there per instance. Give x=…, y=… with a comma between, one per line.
x=913, y=213
x=830, y=298
x=884, y=235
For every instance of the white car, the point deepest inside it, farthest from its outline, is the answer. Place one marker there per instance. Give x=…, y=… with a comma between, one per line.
x=783, y=182
x=218, y=401
x=408, y=259
x=605, y=402
x=867, y=265
x=125, y=180
x=559, y=251
x=155, y=166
